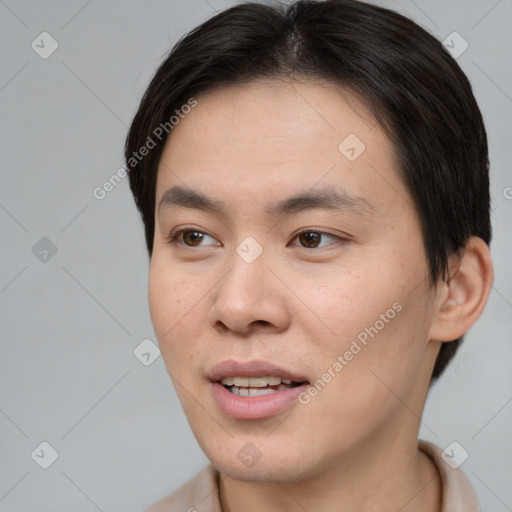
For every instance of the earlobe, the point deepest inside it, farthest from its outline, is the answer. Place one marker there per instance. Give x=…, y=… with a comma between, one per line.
x=464, y=295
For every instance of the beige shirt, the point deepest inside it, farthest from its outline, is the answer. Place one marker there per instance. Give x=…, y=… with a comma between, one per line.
x=201, y=493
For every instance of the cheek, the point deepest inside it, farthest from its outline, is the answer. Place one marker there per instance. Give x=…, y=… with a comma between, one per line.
x=352, y=299
x=374, y=319
x=175, y=306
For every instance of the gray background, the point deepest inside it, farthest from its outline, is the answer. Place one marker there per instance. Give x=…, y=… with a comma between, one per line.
x=71, y=321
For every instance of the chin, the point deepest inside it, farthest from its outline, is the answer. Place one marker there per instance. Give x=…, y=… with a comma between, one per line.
x=260, y=472
x=269, y=464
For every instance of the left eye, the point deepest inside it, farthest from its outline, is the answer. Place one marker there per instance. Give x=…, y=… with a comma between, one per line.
x=312, y=239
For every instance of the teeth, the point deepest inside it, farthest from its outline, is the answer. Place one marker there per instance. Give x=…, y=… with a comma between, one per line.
x=254, y=382
x=257, y=392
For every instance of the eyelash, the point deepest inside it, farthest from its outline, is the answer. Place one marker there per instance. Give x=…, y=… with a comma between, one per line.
x=173, y=238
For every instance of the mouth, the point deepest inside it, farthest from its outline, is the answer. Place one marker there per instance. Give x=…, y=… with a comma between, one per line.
x=258, y=386
x=255, y=389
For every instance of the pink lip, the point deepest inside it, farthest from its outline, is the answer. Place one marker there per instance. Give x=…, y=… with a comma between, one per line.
x=256, y=407
x=257, y=368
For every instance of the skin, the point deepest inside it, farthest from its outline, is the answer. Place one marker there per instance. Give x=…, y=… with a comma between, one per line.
x=354, y=445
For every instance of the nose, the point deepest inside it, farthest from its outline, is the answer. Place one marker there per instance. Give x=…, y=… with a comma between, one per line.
x=250, y=297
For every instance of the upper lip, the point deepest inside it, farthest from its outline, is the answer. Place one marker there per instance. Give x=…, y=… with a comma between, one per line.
x=255, y=368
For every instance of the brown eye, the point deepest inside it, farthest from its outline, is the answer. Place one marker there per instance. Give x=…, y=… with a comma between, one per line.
x=192, y=238
x=316, y=239
x=184, y=238
x=310, y=238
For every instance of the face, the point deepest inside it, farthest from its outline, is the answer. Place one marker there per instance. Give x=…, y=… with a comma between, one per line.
x=286, y=246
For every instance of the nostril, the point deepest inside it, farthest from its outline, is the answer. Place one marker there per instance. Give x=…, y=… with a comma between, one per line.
x=261, y=322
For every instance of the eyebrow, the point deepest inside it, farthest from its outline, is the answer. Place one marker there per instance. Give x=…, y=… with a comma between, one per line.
x=327, y=198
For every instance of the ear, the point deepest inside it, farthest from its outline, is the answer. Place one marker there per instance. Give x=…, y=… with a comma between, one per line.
x=464, y=295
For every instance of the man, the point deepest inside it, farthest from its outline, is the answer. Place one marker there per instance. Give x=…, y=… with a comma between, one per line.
x=315, y=196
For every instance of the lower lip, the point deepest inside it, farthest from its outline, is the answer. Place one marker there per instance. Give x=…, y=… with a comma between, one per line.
x=256, y=407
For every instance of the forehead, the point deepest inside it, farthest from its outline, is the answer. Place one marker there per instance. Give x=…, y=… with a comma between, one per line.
x=274, y=112
x=273, y=136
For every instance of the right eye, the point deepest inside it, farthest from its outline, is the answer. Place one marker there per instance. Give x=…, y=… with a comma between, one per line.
x=187, y=237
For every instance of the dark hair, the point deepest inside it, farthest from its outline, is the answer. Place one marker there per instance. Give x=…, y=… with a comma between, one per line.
x=414, y=88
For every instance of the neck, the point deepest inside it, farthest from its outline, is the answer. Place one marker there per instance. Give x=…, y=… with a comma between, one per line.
x=386, y=474
x=383, y=471
x=401, y=485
